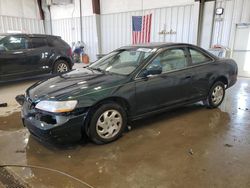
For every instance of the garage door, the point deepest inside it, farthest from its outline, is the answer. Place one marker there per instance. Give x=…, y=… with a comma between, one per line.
x=241, y=52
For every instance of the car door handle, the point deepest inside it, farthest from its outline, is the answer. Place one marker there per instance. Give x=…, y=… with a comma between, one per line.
x=19, y=52
x=152, y=76
x=187, y=77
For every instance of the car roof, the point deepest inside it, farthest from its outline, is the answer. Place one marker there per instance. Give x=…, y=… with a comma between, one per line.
x=156, y=45
x=27, y=35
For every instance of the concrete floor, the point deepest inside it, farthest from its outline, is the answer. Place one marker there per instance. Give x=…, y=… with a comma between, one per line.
x=187, y=147
x=9, y=91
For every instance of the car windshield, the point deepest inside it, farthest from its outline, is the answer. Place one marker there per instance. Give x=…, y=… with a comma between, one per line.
x=2, y=36
x=122, y=62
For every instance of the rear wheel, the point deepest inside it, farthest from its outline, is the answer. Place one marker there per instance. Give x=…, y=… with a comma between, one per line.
x=107, y=123
x=216, y=95
x=60, y=66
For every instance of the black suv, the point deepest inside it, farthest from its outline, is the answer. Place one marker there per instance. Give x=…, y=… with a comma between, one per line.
x=28, y=55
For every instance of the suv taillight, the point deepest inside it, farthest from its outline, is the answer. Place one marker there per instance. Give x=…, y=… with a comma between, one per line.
x=69, y=52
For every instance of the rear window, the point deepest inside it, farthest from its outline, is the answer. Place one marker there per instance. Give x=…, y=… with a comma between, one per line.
x=57, y=42
x=38, y=42
x=198, y=57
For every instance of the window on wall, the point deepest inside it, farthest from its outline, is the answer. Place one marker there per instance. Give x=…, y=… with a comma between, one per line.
x=170, y=60
x=198, y=57
x=14, y=43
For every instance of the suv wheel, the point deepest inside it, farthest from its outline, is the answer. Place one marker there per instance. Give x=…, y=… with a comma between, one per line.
x=216, y=95
x=61, y=66
x=107, y=123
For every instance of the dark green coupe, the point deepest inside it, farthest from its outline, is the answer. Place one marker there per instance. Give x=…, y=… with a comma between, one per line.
x=127, y=84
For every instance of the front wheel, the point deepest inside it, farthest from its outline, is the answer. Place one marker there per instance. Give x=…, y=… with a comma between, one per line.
x=107, y=123
x=216, y=95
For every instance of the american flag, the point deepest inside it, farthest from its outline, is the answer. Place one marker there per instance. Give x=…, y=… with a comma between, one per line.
x=141, y=28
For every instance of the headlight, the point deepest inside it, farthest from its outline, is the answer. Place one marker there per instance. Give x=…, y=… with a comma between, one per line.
x=57, y=106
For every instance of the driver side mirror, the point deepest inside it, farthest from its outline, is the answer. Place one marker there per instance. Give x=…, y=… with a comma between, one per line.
x=152, y=70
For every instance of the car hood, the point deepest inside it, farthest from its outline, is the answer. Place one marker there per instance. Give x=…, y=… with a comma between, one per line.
x=70, y=85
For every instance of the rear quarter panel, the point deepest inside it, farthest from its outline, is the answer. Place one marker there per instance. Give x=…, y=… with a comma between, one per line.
x=59, y=50
x=206, y=74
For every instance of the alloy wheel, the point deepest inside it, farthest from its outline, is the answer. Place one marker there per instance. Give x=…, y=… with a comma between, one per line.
x=62, y=67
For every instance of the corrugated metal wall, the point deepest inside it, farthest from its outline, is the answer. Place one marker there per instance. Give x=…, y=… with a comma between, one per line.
x=27, y=25
x=69, y=30
x=235, y=11
x=116, y=28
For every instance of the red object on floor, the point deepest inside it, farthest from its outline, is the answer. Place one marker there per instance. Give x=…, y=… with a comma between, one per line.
x=85, y=59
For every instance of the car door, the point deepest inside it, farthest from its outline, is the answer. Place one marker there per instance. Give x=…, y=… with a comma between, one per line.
x=202, y=66
x=168, y=88
x=41, y=53
x=14, y=59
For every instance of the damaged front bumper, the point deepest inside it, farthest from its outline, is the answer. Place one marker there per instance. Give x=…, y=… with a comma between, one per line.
x=50, y=127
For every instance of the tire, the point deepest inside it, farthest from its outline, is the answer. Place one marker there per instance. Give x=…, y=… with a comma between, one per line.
x=107, y=123
x=216, y=95
x=60, y=66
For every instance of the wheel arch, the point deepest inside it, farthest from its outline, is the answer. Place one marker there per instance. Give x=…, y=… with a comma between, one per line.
x=223, y=79
x=208, y=102
x=64, y=59
x=119, y=100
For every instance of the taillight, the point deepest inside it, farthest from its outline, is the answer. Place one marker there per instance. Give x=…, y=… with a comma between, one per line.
x=69, y=52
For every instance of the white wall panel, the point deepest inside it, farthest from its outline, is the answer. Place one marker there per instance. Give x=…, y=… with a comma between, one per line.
x=207, y=25
x=116, y=29
x=69, y=30
x=20, y=8
x=24, y=25
x=116, y=6
x=235, y=11
x=226, y=33
x=72, y=10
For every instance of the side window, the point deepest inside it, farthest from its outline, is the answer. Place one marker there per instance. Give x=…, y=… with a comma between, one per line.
x=13, y=43
x=38, y=42
x=170, y=60
x=198, y=57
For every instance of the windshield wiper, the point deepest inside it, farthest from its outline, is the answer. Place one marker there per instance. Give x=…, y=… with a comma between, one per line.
x=87, y=67
x=98, y=69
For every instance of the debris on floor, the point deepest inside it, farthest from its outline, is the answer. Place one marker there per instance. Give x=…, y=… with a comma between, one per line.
x=4, y=104
x=20, y=151
x=243, y=109
x=191, y=152
x=228, y=145
x=9, y=180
